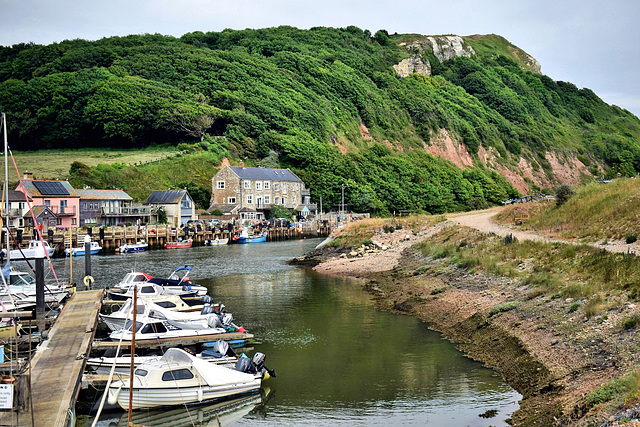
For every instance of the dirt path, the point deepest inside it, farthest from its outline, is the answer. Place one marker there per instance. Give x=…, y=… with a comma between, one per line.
x=483, y=221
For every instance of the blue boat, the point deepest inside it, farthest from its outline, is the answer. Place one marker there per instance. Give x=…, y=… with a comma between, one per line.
x=79, y=251
x=244, y=237
x=134, y=247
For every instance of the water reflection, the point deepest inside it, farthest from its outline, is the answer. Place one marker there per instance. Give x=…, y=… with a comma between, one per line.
x=339, y=360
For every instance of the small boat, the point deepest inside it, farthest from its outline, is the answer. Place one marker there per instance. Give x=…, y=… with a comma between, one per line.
x=22, y=289
x=149, y=289
x=29, y=252
x=179, y=244
x=149, y=329
x=244, y=237
x=209, y=315
x=133, y=278
x=79, y=250
x=140, y=246
x=179, y=378
x=179, y=280
x=216, y=242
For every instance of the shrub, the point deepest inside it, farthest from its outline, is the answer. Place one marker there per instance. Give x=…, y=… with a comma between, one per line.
x=631, y=321
x=388, y=228
x=631, y=238
x=503, y=307
x=563, y=193
x=574, y=307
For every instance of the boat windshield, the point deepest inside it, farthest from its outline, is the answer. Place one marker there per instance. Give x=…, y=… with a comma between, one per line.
x=176, y=355
x=21, y=279
x=127, y=327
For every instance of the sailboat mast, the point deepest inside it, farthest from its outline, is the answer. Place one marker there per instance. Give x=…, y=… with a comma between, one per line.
x=6, y=182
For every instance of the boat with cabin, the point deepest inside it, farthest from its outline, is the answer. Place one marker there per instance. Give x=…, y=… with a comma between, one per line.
x=139, y=246
x=94, y=248
x=30, y=251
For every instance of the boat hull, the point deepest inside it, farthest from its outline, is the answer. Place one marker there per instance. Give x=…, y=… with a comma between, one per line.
x=156, y=397
x=133, y=248
x=178, y=245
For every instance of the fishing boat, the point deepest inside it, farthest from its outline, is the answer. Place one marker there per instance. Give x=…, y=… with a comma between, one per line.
x=244, y=237
x=179, y=244
x=140, y=246
x=216, y=242
x=79, y=250
x=179, y=378
x=28, y=252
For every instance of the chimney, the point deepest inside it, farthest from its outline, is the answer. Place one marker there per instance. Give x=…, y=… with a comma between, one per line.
x=28, y=176
x=241, y=164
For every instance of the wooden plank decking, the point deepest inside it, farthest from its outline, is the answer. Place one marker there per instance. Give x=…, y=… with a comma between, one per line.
x=168, y=342
x=58, y=364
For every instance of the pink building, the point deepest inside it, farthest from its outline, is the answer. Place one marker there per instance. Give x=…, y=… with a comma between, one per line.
x=59, y=196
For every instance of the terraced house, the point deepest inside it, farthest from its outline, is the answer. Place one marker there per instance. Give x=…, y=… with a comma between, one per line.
x=249, y=193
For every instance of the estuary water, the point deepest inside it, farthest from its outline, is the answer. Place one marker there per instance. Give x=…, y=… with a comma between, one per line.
x=339, y=361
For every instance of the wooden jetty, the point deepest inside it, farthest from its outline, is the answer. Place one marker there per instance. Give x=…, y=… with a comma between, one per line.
x=170, y=342
x=58, y=364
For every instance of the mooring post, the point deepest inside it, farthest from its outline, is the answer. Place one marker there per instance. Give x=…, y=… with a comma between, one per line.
x=87, y=260
x=40, y=322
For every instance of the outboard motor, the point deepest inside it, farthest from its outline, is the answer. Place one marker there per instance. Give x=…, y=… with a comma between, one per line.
x=227, y=319
x=206, y=299
x=214, y=321
x=207, y=309
x=258, y=360
x=244, y=364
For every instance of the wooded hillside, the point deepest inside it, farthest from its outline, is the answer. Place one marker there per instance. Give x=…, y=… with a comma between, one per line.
x=324, y=102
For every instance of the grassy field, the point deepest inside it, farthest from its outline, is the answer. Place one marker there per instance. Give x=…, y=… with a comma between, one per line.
x=54, y=164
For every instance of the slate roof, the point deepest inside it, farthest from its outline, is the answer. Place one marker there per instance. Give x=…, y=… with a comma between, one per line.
x=37, y=210
x=265, y=174
x=103, y=195
x=167, y=197
x=30, y=186
x=16, y=196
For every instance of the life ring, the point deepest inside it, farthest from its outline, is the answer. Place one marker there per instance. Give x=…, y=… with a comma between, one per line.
x=88, y=281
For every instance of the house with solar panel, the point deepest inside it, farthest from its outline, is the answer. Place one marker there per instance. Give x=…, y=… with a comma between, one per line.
x=250, y=193
x=58, y=196
x=110, y=207
x=177, y=204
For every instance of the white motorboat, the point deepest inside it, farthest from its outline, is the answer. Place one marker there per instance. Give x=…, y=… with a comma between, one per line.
x=94, y=248
x=209, y=315
x=133, y=278
x=140, y=246
x=178, y=378
x=22, y=287
x=149, y=289
x=148, y=328
x=28, y=252
x=179, y=279
x=216, y=242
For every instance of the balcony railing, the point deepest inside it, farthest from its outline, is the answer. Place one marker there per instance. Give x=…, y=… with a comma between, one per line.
x=126, y=211
x=63, y=210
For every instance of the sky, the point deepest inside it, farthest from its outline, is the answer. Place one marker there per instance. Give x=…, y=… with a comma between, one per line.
x=590, y=43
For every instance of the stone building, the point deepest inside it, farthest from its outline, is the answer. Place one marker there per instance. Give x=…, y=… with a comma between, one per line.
x=249, y=193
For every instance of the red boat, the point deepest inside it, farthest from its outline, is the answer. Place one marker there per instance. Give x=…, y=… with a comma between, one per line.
x=180, y=244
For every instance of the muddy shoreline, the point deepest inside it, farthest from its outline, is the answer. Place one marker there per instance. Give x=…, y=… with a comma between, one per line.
x=553, y=357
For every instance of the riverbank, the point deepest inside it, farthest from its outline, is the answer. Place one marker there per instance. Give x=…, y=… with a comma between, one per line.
x=559, y=347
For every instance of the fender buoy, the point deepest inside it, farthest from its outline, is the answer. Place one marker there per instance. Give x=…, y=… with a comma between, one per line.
x=88, y=281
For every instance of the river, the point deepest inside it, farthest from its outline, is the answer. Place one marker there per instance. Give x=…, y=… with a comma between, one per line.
x=339, y=361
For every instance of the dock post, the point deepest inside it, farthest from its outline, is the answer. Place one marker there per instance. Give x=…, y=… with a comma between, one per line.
x=40, y=321
x=87, y=260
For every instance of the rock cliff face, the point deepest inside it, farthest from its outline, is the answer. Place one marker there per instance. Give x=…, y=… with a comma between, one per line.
x=443, y=47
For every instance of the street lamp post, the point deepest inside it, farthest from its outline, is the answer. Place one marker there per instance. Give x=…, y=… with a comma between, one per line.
x=343, y=185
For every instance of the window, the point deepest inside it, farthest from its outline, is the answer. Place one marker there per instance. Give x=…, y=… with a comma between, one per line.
x=231, y=200
x=220, y=185
x=284, y=187
x=47, y=202
x=58, y=221
x=186, y=203
x=141, y=372
x=250, y=199
x=276, y=186
x=73, y=221
x=259, y=201
x=84, y=205
x=266, y=185
x=247, y=184
x=284, y=201
x=21, y=205
x=177, y=374
x=267, y=200
x=258, y=185
x=277, y=200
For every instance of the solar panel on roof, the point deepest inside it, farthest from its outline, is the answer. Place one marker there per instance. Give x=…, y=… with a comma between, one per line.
x=51, y=188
